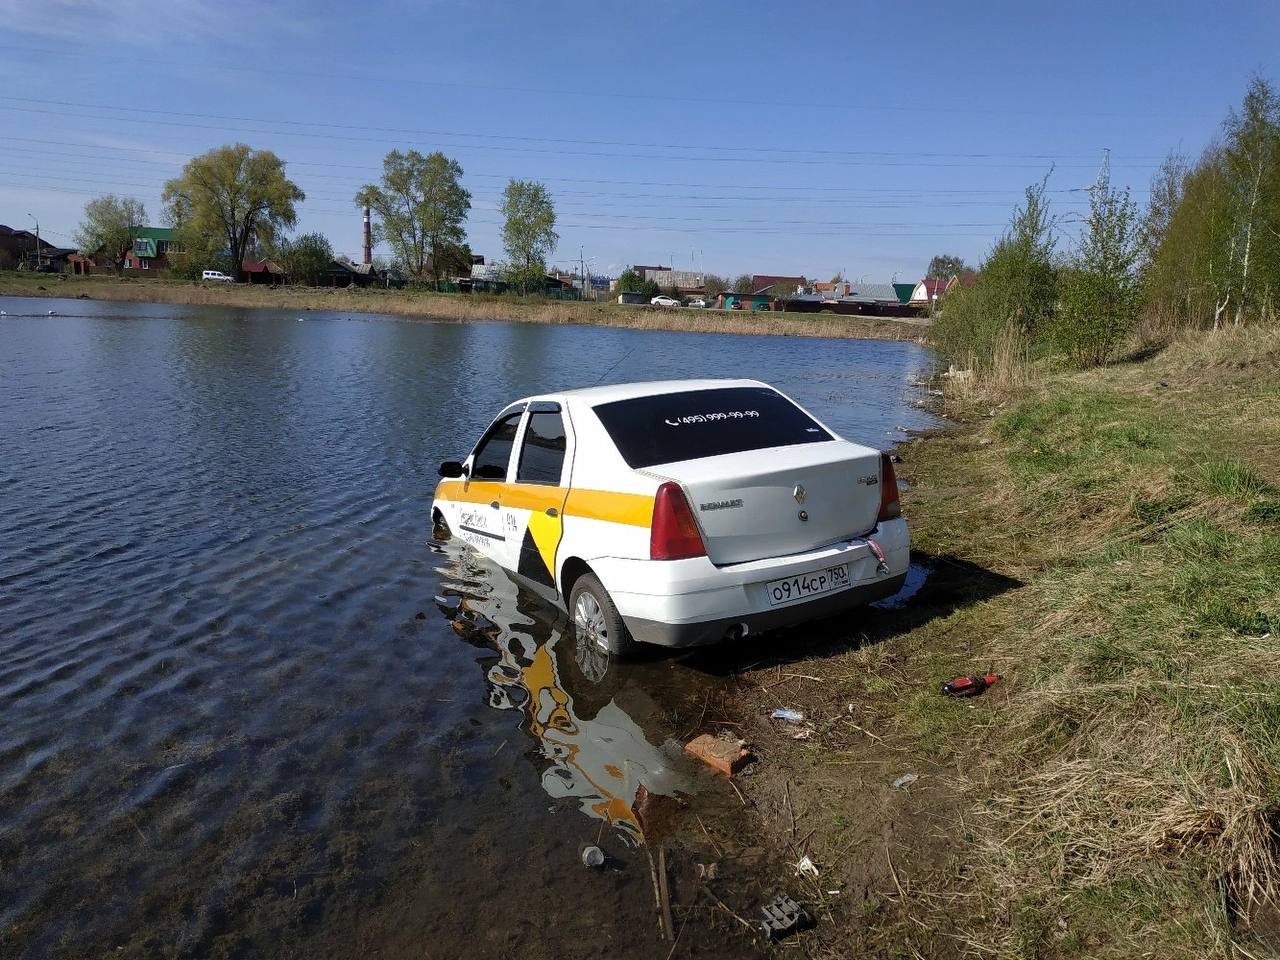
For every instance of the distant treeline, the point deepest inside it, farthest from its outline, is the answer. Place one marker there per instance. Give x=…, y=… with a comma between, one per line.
x=1205, y=253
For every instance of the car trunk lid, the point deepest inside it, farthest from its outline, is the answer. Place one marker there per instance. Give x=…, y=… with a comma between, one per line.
x=781, y=500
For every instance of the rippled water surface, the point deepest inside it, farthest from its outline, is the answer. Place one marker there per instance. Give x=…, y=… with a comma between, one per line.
x=249, y=708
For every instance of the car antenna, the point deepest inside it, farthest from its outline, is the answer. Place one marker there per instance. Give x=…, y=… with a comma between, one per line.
x=615, y=366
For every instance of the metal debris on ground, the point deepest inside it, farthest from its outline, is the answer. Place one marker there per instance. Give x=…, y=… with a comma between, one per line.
x=906, y=780
x=791, y=716
x=970, y=686
x=593, y=856
x=783, y=917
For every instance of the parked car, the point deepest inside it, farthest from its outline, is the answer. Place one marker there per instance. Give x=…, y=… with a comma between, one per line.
x=216, y=276
x=678, y=513
x=698, y=302
x=662, y=300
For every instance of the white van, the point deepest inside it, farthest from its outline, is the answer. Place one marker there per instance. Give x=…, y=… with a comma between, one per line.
x=679, y=513
x=216, y=276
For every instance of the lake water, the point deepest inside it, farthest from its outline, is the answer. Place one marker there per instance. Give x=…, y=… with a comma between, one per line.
x=248, y=708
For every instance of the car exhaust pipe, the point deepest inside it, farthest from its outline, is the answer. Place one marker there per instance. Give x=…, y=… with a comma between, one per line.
x=737, y=631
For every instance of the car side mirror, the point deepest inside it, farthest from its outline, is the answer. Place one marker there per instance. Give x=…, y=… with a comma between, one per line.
x=451, y=469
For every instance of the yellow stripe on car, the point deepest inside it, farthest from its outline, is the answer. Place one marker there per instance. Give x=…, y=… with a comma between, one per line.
x=634, y=509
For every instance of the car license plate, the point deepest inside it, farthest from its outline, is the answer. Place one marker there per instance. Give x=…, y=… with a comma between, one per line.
x=807, y=584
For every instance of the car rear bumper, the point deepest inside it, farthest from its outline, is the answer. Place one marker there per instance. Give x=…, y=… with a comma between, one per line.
x=713, y=631
x=680, y=603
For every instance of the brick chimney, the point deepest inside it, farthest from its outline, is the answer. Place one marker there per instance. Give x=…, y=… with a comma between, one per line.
x=368, y=238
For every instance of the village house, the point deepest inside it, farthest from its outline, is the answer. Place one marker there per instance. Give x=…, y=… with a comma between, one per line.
x=686, y=282
x=763, y=283
x=152, y=248
x=19, y=248
x=927, y=291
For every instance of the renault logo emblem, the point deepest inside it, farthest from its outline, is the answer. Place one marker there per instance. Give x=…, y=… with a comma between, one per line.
x=799, y=493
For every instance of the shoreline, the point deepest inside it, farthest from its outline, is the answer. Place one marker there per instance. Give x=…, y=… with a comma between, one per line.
x=461, y=308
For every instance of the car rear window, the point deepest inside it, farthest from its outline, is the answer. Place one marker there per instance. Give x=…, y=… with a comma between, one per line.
x=670, y=427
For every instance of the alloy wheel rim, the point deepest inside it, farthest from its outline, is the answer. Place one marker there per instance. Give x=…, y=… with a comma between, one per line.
x=588, y=618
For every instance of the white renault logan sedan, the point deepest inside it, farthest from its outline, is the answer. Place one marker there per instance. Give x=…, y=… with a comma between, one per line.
x=679, y=513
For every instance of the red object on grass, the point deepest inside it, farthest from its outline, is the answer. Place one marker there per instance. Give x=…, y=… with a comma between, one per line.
x=969, y=686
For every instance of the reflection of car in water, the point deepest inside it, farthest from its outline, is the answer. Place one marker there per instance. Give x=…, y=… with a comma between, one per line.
x=599, y=757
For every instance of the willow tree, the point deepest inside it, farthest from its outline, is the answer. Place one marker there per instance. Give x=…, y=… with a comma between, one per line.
x=233, y=198
x=528, y=230
x=420, y=208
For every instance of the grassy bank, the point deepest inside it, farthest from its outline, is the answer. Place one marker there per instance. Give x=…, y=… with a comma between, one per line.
x=460, y=308
x=1109, y=542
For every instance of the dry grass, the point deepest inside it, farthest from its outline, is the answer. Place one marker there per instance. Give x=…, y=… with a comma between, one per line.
x=461, y=308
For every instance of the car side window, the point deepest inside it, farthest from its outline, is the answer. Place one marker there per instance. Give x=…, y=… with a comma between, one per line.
x=493, y=452
x=542, y=453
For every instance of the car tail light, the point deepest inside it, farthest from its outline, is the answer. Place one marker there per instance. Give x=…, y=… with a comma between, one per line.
x=674, y=534
x=889, y=506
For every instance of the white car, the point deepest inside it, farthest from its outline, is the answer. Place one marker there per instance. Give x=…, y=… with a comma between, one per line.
x=216, y=276
x=698, y=302
x=662, y=300
x=679, y=513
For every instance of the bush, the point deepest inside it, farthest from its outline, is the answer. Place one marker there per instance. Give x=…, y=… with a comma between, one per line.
x=1014, y=296
x=1100, y=291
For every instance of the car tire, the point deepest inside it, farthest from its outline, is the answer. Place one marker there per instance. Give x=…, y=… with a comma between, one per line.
x=596, y=620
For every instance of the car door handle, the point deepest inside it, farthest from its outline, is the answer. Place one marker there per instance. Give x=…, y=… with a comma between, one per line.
x=494, y=504
x=552, y=512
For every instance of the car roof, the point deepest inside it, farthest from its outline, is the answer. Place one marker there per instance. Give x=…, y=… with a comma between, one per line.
x=594, y=396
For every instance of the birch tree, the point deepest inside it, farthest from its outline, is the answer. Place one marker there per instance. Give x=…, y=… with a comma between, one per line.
x=1252, y=155
x=528, y=230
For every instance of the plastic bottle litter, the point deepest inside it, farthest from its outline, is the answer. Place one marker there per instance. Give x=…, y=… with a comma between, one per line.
x=906, y=780
x=791, y=716
x=593, y=857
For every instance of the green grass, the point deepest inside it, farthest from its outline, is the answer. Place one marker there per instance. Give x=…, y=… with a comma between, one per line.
x=1266, y=512
x=1230, y=478
x=1136, y=757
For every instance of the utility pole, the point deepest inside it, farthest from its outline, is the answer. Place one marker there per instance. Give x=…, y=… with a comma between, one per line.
x=33, y=217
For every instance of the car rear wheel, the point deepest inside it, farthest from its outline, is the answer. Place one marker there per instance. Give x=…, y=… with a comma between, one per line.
x=596, y=621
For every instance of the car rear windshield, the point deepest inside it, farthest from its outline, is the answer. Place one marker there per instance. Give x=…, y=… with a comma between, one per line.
x=670, y=427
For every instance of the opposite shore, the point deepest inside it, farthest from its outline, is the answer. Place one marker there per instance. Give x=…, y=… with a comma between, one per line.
x=460, y=308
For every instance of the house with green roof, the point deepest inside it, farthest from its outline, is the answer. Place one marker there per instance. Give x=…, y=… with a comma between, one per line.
x=152, y=247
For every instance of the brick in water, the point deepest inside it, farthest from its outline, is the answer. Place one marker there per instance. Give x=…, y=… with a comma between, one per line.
x=727, y=756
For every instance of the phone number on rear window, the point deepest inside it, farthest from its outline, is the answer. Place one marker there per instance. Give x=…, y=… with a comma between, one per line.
x=713, y=417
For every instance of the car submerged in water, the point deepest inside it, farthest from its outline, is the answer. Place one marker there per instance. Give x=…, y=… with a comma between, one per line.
x=679, y=513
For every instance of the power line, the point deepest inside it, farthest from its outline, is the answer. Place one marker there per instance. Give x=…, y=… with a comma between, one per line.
x=932, y=106
x=536, y=150
x=878, y=154
x=372, y=169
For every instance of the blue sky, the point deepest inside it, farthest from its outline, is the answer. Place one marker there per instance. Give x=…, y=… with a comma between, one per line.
x=726, y=137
